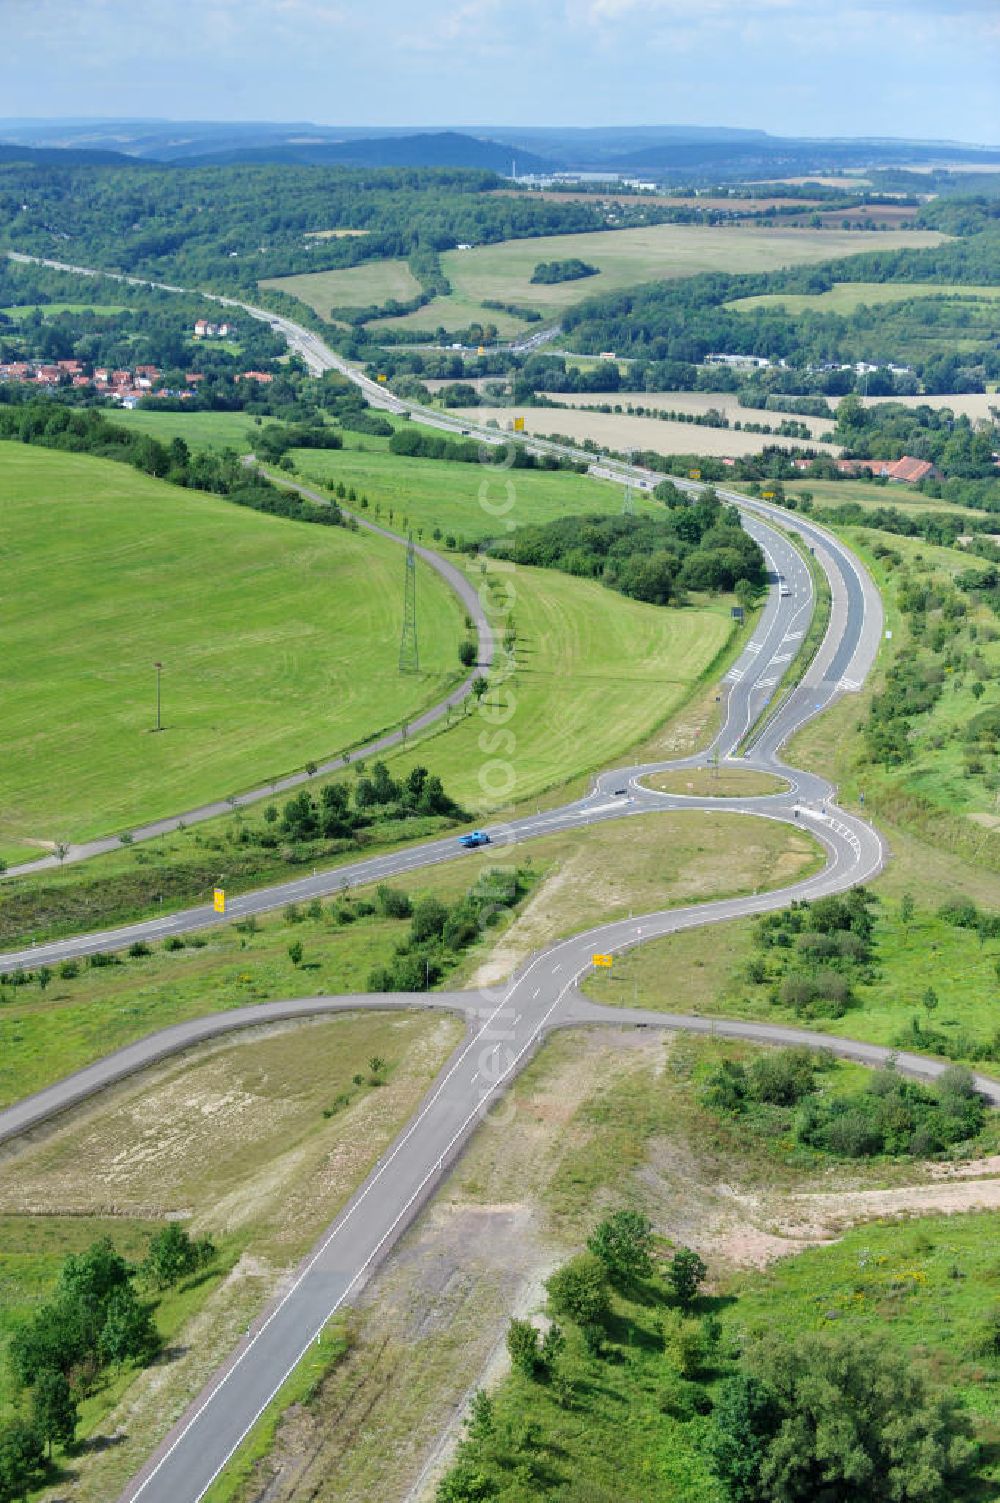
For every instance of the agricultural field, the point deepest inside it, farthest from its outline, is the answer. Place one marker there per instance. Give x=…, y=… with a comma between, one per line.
x=614, y=430
x=904, y=498
x=279, y=642
x=354, y=287
x=972, y=405
x=698, y=403
x=595, y=673
x=199, y=430
x=735, y=203
x=21, y=311
x=844, y=297
x=625, y=258
x=470, y=501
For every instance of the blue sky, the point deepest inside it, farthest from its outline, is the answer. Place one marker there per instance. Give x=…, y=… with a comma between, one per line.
x=928, y=68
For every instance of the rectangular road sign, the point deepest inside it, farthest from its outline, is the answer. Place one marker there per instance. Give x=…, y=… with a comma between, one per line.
x=694, y=474
x=601, y=959
x=219, y=900
x=519, y=425
x=383, y=379
x=768, y=495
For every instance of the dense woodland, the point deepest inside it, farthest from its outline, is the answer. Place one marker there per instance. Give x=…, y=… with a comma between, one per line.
x=698, y=545
x=227, y=227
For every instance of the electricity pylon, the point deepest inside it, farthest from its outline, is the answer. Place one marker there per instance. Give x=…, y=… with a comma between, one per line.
x=628, y=502
x=409, y=655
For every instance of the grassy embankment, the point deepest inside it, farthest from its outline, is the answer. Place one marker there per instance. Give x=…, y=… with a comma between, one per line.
x=279, y=643
x=937, y=811
x=595, y=673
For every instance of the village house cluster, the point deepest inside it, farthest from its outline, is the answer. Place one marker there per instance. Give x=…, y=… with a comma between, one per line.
x=127, y=387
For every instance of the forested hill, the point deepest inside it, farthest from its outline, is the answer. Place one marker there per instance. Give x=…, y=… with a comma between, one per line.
x=427, y=149
x=231, y=226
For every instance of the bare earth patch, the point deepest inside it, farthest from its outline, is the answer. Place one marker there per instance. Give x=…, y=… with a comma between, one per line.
x=233, y=1137
x=646, y=863
x=430, y=1327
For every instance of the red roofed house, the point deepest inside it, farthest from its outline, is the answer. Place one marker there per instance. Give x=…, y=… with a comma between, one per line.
x=911, y=471
x=261, y=376
x=905, y=471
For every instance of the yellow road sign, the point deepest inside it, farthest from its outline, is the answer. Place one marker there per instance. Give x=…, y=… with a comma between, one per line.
x=383, y=379
x=694, y=474
x=519, y=425
x=481, y=350
x=601, y=959
x=219, y=900
x=768, y=495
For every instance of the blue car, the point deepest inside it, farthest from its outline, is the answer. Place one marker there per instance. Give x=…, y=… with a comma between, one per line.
x=478, y=837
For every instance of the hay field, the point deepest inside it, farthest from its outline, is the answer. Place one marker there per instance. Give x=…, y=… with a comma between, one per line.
x=612, y=430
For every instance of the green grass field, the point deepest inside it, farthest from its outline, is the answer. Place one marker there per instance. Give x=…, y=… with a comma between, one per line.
x=470, y=501
x=865, y=493
x=199, y=430
x=595, y=673
x=844, y=297
x=279, y=642
x=373, y=282
x=22, y=311
x=625, y=258
x=925, y=1290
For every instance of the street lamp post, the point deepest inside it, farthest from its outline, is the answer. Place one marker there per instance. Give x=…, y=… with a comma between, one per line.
x=159, y=669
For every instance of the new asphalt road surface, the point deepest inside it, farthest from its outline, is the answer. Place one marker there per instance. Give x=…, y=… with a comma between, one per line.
x=505, y=1027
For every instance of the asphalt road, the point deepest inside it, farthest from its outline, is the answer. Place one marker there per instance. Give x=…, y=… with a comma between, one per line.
x=506, y=1026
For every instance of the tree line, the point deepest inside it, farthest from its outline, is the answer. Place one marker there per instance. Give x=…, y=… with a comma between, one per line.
x=692, y=546
x=86, y=431
x=97, y=1319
